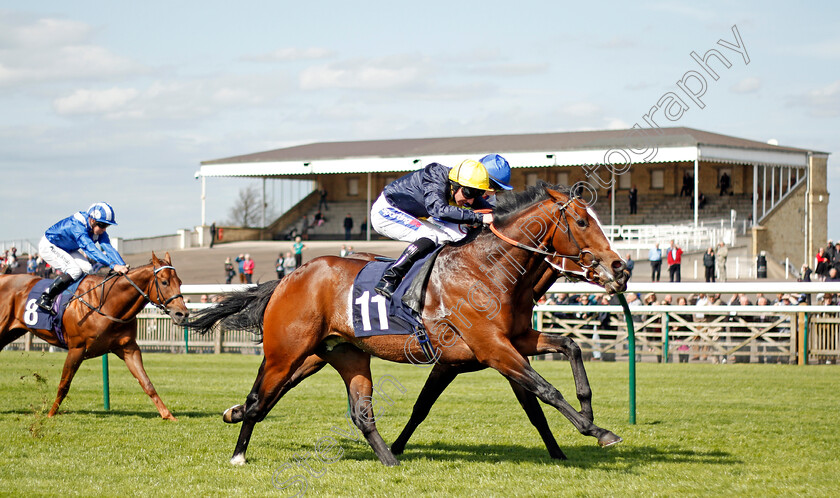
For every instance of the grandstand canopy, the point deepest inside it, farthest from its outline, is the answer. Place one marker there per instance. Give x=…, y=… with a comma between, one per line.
x=522, y=151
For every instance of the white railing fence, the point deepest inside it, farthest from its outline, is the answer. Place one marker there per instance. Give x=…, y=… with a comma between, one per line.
x=696, y=333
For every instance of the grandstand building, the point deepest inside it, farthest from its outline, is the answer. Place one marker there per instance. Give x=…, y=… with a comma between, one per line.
x=778, y=192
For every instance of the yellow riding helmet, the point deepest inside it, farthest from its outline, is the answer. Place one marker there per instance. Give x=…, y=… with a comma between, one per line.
x=470, y=174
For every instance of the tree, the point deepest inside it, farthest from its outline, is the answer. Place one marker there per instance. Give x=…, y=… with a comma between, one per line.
x=246, y=211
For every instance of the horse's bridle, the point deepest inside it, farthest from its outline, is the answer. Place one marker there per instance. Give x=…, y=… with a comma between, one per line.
x=578, y=258
x=160, y=304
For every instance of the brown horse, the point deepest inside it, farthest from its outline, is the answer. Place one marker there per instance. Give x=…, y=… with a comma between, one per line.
x=100, y=319
x=477, y=309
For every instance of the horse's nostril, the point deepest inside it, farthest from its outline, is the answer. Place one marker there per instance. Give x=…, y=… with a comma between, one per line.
x=617, y=265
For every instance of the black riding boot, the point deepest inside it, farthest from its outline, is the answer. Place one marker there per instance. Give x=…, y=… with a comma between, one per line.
x=45, y=302
x=394, y=275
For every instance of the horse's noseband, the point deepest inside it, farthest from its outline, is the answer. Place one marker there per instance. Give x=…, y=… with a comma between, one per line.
x=160, y=304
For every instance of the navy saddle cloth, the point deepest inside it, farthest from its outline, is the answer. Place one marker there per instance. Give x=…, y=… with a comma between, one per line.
x=35, y=318
x=374, y=314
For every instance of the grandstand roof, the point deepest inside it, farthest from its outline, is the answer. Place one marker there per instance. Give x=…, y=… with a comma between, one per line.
x=526, y=150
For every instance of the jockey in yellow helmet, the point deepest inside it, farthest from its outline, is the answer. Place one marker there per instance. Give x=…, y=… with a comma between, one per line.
x=427, y=207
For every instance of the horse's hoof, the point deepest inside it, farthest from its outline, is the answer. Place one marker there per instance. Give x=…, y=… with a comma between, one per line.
x=171, y=417
x=232, y=415
x=238, y=460
x=608, y=439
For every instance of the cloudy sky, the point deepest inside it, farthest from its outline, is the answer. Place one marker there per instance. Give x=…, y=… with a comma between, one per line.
x=120, y=102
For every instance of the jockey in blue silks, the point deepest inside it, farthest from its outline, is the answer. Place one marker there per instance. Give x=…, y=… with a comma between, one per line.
x=427, y=207
x=68, y=245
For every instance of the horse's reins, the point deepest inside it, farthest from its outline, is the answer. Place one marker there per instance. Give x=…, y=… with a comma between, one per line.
x=578, y=258
x=161, y=305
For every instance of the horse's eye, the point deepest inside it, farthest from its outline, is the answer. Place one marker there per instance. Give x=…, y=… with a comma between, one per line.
x=164, y=282
x=581, y=223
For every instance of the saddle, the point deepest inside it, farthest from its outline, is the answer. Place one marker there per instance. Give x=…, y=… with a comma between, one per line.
x=35, y=318
x=374, y=314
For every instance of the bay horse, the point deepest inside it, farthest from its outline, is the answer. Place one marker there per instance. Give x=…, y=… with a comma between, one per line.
x=477, y=309
x=100, y=319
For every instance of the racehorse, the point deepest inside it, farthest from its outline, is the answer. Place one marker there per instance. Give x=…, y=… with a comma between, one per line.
x=100, y=319
x=477, y=308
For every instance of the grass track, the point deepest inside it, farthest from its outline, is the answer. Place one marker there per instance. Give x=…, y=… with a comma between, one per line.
x=702, y=430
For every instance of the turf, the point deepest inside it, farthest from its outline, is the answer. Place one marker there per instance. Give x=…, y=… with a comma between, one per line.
x=702, y=430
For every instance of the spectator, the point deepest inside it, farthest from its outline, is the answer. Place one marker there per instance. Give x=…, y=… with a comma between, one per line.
x=674, y=262
x=709, y=264
x=241, y=260
x=650, y=299
x=343, y=252
x=363, y=228
x=687, y=184
x=322, y=202
x=230, y=272
x=212, y=234
x=279, y=268
x=822, y=263
x=248, y=267
x=289, y=263
x=350, y=250
x=832, y=275
x=830, y=251
x=720, y=257
x=724, y=183
x=835, y=260
x=805, y=276
x=634, y=197
x=298, y=248
x=205, y=298
x=348, y=226
x=318, y=220
x=31, y=265
x=667, y=300
x=630, y=264
x=655, y=258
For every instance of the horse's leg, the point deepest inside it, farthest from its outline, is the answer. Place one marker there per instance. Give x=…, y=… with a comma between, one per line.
x=535, y=414
x=275, y=372
x=535, y=342
x=511, y=364
x=311, y=365
x=439, y=379
x=9, y=336
x=71, y=365
x=130, y=354
x=354, y=367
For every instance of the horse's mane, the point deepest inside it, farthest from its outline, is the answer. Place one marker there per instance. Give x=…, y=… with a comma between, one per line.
x=509, y=204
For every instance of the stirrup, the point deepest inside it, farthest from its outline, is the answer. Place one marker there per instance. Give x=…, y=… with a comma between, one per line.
x=387, y=288
x=45, y=305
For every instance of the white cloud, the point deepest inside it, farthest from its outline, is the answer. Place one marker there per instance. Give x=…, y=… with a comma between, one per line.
x=95, y=101
x=746, y=85
x=46, y=50
x=362, y=76
x=822, y=101
x=291, y=54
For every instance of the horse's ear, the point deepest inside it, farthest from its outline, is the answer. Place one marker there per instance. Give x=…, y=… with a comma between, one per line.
x=557, y=196
x=155, y=259
x=167, y=258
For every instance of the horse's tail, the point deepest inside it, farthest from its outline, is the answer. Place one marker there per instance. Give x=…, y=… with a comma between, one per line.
x=237, y=311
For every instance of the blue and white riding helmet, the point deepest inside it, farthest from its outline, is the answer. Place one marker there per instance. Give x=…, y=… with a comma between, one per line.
x=499, y=171
x=102, y=212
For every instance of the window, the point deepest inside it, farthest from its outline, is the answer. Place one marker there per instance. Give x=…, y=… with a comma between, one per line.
x=657, y=179
x=353, y=186
x=530, y=179
x=624, y=181
x=563, y=178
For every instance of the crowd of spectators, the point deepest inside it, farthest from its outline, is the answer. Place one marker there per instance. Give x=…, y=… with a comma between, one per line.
x=34, y=264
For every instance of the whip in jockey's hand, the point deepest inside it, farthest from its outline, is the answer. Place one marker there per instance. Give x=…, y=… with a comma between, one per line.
x=428, y=206
x=68, y=244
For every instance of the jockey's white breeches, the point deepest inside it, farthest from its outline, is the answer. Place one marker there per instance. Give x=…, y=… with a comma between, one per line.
x=73, y=263
x=396, y=224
